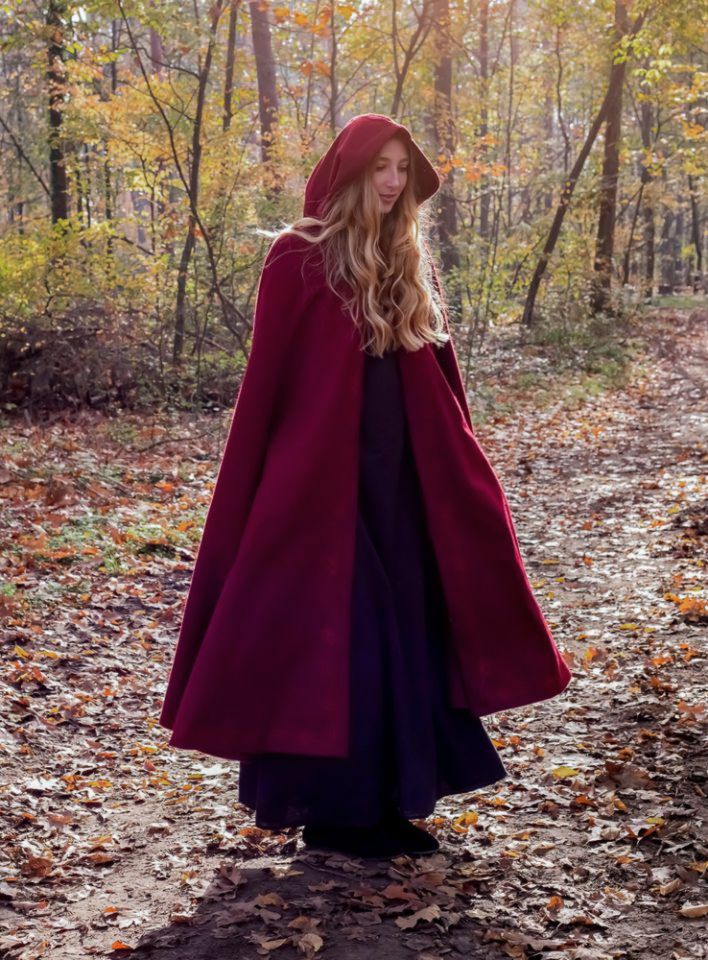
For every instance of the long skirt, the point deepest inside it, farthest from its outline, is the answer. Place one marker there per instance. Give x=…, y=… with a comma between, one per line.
x=408, y=747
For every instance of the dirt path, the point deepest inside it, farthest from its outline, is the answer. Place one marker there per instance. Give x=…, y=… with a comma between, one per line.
x=591, y=848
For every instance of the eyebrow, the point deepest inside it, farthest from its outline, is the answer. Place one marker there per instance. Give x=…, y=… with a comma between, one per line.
x=404, y=160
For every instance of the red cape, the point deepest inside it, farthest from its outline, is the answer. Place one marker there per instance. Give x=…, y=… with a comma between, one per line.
x=262, y=660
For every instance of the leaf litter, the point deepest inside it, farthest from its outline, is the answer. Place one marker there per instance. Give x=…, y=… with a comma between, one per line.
x=594, y=846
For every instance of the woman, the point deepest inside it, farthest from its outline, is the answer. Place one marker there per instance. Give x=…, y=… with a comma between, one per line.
x=359, y=600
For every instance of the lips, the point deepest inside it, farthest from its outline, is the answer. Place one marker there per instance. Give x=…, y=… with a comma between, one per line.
x=390, y=197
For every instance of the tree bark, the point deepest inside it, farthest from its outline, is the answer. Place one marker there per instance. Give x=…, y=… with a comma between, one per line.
x=666, y=270
x=55, y=75
x=696, y=230
x=268, y=104
x=644, y=206
x=604, y=244
x=230, y=62
x=484, y=198
x=443, y=124
x=194, y=184
x=334, y=115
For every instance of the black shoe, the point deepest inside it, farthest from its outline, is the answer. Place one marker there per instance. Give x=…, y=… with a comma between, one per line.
x=369, y=843
x=415, y=840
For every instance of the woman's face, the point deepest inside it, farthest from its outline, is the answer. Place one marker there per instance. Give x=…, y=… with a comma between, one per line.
x=390, y=172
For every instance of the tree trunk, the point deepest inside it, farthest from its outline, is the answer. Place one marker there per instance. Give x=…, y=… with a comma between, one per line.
x=528, y=317
x=604, y=244
x=649, y=245
x=401, y=70
x=335, y=120
x=666, y=271
x=230, y=62
x=110, y=71
x=696, y=237
x=509, y=123
x=189, y=175
x=677, y=278
x=443, y=124
x=59, y=192
x=484, y=198
x=646, y=123
x=268, y=104
x=194, y=183
x=644, y=206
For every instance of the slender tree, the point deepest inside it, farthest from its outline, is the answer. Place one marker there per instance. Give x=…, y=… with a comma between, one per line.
x=56, y=80
x=403, y=54
x=483, y=148
x=230, y=63
x=644, y=206
x=268, y=105
x=607, y=214
x=204, y=70
x=696, y=231
x=444, y=128
x=528, y=317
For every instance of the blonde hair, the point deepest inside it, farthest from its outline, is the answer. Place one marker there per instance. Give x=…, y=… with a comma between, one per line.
x=385, y=261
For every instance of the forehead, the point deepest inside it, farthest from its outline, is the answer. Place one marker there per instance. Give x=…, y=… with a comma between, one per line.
x=394, y=149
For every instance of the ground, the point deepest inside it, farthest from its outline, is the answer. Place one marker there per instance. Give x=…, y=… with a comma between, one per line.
x=117, y=845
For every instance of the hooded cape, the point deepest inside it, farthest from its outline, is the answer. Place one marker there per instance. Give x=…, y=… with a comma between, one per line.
x=262, y=658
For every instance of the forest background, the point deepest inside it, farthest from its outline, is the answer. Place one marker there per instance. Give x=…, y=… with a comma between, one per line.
x=143, y=144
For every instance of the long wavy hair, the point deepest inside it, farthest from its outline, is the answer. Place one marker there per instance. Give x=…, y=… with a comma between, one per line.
x=383, y=259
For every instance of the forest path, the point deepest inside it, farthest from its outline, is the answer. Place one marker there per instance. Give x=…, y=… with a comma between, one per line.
x=590, y=849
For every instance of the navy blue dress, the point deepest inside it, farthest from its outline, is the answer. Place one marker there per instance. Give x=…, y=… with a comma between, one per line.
x=408, y=746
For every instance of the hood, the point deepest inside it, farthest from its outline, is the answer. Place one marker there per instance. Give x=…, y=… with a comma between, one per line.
x=354, y=147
